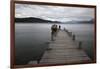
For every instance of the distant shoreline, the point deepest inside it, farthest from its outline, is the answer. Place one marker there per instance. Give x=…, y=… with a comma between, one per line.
x=39, y=20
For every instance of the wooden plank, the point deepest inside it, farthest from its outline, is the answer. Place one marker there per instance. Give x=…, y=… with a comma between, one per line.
x=64, y=50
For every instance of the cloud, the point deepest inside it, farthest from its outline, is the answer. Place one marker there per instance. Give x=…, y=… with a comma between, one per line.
x=57, y=13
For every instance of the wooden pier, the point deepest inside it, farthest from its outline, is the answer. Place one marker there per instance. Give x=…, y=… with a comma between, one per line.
x=64, y=50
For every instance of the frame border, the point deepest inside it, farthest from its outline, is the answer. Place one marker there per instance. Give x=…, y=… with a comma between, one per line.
x=12, y=32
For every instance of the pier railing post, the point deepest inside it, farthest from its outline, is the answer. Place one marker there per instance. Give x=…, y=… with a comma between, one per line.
x=70, y=33
x=73, y=38
x=64, y=29
x=80, y=45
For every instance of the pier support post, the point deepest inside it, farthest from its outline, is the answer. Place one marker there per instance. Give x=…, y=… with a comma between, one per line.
x=70, y=33
x=73, y=38
x=64, y=29
x=38, y=61
x=80, y=45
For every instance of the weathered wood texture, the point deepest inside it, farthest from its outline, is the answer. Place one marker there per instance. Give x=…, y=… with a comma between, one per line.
x=64, y=50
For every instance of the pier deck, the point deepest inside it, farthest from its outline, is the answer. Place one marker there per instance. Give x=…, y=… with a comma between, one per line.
x=64, y=50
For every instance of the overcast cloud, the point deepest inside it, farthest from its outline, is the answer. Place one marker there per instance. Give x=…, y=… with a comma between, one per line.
x=54, y=13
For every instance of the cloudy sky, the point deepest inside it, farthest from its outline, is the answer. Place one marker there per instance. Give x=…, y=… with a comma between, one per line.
x=54, y=13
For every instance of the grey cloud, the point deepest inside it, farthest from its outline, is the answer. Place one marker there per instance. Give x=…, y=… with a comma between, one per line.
x=53, y=12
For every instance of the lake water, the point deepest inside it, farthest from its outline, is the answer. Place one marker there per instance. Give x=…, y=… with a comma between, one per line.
x=31, y=39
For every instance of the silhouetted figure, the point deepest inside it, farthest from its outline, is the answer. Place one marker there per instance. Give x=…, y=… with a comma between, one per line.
x=53, y=31
x=59, y=27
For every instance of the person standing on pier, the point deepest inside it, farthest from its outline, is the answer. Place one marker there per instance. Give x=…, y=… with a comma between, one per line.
x=59, y=27
x=53, y=31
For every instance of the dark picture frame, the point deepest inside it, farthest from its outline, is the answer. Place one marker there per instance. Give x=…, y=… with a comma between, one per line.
x=12, y=32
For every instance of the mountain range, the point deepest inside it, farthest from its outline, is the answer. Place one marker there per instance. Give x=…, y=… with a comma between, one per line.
x=34, y=20
x=39, y=20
